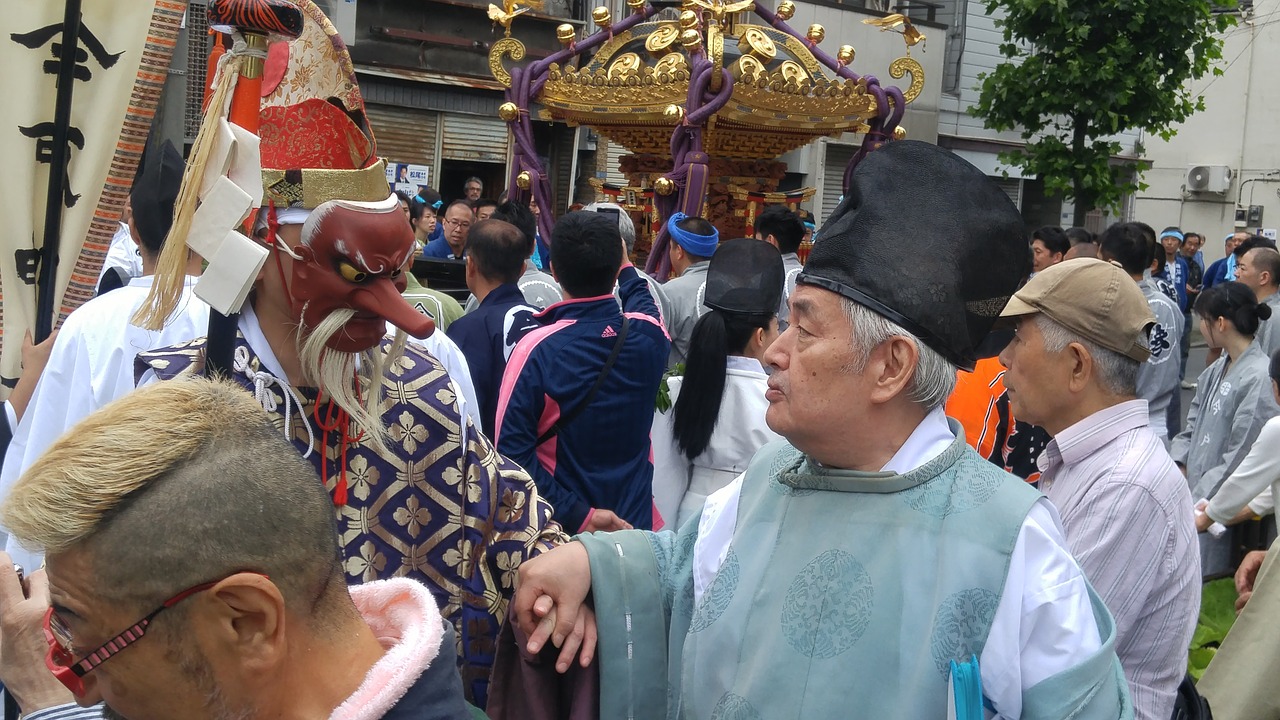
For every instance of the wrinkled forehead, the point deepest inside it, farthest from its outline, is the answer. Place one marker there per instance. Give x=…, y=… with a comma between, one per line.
x=818, y=305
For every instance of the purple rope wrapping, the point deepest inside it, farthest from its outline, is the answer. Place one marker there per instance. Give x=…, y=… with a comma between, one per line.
x=820, y=55
x=690, y=164
x=527, y=83
x=690, y=171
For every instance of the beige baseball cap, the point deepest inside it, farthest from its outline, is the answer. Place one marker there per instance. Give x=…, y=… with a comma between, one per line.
x=1094, y=299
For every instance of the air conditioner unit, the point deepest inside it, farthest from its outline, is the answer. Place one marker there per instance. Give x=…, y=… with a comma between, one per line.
x=1208, y=178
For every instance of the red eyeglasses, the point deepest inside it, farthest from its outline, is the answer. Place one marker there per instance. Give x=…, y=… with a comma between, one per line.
x=70, y=672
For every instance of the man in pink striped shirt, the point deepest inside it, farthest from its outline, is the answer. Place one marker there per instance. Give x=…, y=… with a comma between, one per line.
x=1082, y=334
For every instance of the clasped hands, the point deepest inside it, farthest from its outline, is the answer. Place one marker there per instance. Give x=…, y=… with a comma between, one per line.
x=551, y=591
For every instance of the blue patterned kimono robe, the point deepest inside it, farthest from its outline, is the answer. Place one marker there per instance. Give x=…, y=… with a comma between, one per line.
x=841, y=595
x=460, y=518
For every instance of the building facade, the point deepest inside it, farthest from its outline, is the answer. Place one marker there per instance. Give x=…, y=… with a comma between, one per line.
x=1221, y=171
x=974, y=49
x=963, y=43
x=821, y=165
x=433, y=103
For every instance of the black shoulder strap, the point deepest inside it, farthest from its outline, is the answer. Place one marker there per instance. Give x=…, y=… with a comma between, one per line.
x=591, y=394
x=220, y=344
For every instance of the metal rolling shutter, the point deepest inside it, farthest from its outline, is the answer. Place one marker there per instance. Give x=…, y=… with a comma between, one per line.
x=562, y=151
x=838, y=157
x=475, y=138
x=404, y=135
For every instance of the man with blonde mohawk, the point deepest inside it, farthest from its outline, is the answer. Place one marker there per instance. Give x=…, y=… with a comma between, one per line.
x=192, y=573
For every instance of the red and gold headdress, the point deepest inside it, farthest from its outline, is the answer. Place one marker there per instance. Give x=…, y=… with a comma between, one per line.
x=313, y=150
x=316, y=142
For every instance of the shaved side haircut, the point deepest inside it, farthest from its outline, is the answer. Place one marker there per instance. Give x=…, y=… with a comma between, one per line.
x=1267, y=260
x=177, y=484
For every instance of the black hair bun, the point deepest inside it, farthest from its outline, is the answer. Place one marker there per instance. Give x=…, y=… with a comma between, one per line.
x=1263, y=311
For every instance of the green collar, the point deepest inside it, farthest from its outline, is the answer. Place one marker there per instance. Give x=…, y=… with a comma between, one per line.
x=805, y=474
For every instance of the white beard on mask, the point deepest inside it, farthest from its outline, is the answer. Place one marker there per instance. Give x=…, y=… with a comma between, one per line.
x=352, y=380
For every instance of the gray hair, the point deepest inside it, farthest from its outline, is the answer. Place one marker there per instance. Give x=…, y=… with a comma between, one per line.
x=1117, y=373
x=935, y=377
x=626, y=227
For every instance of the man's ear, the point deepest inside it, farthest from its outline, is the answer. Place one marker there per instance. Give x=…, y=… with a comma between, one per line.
x=892, y=366
x=1082, y=366
x=244, y=619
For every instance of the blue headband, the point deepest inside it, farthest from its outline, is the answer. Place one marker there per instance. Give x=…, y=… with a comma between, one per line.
x=1173, y=234
x=700, y=245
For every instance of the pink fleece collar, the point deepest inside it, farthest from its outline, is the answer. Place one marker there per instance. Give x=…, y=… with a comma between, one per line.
x=404, y=617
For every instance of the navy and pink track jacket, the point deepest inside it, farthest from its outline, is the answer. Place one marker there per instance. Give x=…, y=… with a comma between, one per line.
x=602, y=459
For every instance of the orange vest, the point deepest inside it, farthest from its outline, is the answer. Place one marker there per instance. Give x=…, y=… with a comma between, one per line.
x=981, y=406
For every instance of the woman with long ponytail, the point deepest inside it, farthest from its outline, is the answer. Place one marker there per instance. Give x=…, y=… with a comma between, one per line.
x=1233, y=401
x=715, y=421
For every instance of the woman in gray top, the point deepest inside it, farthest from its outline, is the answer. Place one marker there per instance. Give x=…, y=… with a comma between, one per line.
x=1252, y=486
x=1233, y=401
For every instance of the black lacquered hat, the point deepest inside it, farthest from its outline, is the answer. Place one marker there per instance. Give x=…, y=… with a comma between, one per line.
x=745, y=277
x=928, y=241
x=155, y=190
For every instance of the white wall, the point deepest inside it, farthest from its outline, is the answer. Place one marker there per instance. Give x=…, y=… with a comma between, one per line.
x=981, y=54
x=1238, y=129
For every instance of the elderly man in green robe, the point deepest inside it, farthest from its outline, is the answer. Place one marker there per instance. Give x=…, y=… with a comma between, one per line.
x=872, y=564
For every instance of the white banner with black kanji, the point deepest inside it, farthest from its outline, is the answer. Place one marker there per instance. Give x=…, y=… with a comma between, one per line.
x=124, y=49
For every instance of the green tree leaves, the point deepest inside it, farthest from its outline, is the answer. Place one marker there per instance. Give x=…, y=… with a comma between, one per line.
x=1091, y=69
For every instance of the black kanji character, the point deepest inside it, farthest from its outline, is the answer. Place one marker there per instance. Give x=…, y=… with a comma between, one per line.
x=42, y=133
x=1159, y=341
x=42, y=36
x=28, y=263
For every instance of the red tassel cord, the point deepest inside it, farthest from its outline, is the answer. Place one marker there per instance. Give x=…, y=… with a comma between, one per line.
x=336, y=420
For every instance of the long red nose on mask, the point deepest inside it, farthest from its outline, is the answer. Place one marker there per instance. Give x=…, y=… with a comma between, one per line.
x=380, y=298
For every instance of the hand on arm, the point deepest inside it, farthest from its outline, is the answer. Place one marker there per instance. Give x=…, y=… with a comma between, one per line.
x=604, y=521
x=550, y=590
x=580, y=642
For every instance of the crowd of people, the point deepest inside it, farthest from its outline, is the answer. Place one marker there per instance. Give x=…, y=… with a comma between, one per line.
x=939, y=469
